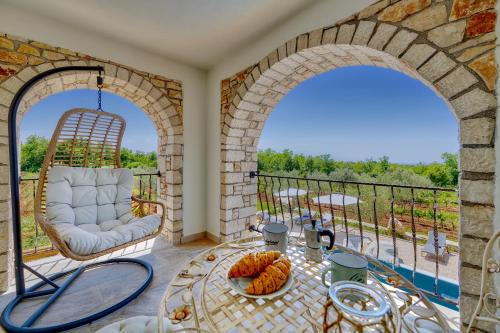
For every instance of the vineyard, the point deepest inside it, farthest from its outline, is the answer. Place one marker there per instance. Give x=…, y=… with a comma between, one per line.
x=412, y=206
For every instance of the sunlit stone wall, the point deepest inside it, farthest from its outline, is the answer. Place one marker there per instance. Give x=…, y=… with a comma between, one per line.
x=159, y=97
x=448, y=45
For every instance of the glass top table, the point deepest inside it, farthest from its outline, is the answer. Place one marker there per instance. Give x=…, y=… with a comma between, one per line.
x=200, y=299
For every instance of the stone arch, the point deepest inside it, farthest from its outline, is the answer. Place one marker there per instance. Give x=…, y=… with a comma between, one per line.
x=159, y=97
x=150, y=99
x=417, y=46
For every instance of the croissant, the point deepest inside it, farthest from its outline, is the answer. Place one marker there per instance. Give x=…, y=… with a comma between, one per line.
x=272, y=279
x=253, y=264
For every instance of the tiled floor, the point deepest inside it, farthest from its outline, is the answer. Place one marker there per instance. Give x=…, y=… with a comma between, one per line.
x=99, y=288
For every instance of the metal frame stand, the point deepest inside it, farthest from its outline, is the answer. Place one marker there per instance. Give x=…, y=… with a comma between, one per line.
x=56, y=290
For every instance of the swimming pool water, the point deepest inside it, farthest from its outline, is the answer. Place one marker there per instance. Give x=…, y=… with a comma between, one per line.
x=446, y=288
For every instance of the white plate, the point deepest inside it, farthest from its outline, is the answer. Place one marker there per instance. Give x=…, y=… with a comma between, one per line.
x=239, y=285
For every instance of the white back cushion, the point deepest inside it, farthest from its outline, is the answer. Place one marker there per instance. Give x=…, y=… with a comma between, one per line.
x=88, y=196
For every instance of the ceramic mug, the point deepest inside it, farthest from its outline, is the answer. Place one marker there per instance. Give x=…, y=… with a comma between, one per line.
x=275, y=237
x=345, y=267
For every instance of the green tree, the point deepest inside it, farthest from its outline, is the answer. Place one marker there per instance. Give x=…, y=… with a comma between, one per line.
x=368, y=166
x=439, y=174
x=300, y=163
x=137, y=159
x=344, y=174
x=384, y=164
x=451, y=162
x=33, y=151
x=404, y=177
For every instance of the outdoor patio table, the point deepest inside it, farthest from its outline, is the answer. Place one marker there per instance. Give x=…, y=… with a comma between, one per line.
x=201, y=294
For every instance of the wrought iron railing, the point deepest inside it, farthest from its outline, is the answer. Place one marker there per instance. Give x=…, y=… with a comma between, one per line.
x=356, y=213
x=35, y=243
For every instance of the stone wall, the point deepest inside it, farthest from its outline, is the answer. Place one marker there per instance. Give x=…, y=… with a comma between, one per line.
x=159, y=97
x=448, y=45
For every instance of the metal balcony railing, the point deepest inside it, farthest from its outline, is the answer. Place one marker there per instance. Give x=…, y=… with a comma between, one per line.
x=35, y=243
x=411, y=228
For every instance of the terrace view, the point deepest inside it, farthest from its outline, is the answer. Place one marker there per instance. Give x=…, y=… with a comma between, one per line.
x=233, y=166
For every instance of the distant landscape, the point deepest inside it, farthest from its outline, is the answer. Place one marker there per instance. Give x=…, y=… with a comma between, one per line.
x=443, y=174
x=286, y=162
x=423, y=208
x=34, y=148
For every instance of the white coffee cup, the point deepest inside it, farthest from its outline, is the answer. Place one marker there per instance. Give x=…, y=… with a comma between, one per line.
x=275, y=237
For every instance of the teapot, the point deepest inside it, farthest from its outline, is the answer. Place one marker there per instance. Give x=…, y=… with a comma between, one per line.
x=313, y=236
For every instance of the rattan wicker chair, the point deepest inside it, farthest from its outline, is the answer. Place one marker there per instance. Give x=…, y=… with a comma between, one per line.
x=90, y=139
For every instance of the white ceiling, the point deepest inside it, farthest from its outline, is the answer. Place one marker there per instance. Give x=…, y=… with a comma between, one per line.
x=196, y=32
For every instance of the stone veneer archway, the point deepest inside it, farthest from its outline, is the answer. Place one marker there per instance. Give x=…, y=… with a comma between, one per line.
x=447, y=45
x=160, y=98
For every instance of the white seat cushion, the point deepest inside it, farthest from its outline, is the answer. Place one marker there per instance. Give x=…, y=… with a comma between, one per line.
x=91, y=238
x=90, y=208
x=139, y=324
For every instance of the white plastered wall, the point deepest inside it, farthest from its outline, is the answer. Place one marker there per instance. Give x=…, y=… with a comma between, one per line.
x=322, y=13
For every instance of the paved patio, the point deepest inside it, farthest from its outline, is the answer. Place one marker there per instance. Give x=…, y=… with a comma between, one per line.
x=448, y=266
x=114, y=282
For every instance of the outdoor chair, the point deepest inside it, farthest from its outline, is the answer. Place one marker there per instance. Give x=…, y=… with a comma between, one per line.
x=265, y=217
x=306, y=216
x=83, y=204
x=327, y=218
x=262, y=215
x=83, y=200
x=429, y=248
x=89, y=211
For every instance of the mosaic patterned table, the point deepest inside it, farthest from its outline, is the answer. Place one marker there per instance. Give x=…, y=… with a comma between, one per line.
x=201, y=292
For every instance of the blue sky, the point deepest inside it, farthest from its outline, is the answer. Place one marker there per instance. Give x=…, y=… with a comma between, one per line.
x=42, y=118
x=351, y=113
x=354, y=113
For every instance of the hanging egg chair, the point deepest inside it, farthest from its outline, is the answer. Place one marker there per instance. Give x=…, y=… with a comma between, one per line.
x=83, y=199
x=82, y=202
